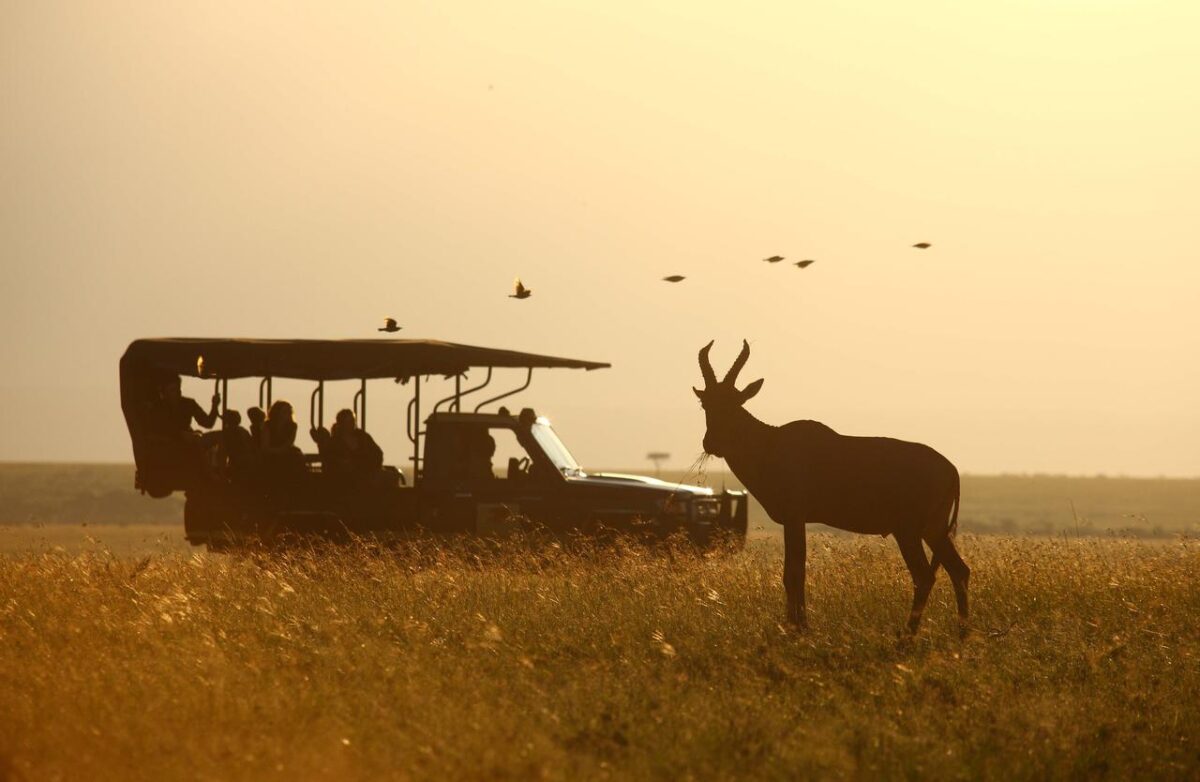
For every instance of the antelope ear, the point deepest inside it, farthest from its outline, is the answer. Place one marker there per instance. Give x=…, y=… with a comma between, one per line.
x=699, y=394
x=749, y=391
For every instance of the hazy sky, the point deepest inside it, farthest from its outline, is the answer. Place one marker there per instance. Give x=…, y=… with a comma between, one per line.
x=280, y=170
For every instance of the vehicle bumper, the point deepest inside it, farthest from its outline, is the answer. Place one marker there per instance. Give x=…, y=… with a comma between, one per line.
x=716, y=520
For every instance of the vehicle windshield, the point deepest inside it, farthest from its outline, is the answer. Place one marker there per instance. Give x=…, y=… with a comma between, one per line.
x=554, y=448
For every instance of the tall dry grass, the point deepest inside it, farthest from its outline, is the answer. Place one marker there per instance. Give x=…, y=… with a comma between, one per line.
x=461, y=662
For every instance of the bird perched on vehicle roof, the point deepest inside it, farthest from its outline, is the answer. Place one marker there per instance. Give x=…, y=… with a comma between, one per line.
x=922, y=245
x=520, y=291
x=674, y=278
x=805, y=263
x=389, y=325
x=774, y=259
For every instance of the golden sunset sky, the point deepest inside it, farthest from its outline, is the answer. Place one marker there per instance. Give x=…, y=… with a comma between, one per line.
x=302, y=170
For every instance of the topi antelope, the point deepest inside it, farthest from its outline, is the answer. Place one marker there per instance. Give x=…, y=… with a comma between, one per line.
x=804, y=472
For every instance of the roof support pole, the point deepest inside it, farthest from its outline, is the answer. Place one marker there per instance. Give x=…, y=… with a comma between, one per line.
x=264, y=401
x=312, y=408
x=473, y=389
x=455, y=399
x=360, y=404
x=408, y=418
x=316, y=406
x=528, y=380
x=417, y=431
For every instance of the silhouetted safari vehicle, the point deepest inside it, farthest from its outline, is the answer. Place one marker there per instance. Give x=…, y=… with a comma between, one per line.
x=267, y=495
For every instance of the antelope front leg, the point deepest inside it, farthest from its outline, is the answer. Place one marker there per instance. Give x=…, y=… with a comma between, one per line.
x=794, y=555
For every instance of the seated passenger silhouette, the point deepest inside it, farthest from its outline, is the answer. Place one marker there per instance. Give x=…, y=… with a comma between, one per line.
x=178, y=449
x=236, y=442
x=176, y=412
x=280, y=426
x=481, y=449
x=347, y=450
x=258, y=420
x=279, y=450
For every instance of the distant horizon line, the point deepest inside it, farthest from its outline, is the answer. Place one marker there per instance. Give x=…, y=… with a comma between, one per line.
x=645, y=472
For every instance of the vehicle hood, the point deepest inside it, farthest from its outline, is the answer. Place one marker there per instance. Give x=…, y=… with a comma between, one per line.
x=640, y=481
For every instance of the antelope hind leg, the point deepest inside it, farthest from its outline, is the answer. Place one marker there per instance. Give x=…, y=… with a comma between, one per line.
x=960, y=574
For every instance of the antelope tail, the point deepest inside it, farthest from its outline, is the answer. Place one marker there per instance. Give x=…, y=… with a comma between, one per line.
x=952, y=528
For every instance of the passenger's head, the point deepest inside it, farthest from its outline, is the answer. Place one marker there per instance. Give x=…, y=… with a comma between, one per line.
x=281, y=423
x=231, y=419
x=345, y=422
x=281, y=410
x=256, y=415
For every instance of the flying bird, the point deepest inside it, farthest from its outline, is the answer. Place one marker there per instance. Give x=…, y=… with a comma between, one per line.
x=389, y=325
x=520, y=291
x=774, y=259
x=805, y=264
x=922, y=245
x=674, y=278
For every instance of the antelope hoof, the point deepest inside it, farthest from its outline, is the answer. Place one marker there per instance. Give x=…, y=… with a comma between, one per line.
x=797, y=619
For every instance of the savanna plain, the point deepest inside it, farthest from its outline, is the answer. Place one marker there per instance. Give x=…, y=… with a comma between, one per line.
x=124, y=654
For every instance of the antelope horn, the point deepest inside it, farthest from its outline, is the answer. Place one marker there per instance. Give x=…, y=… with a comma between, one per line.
x=739, y=362
x=710, y=378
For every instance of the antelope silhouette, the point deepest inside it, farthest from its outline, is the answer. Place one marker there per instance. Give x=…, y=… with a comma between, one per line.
x=804, y=473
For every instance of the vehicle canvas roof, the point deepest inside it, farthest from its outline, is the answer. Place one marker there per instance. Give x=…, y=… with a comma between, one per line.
x=328, y=359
